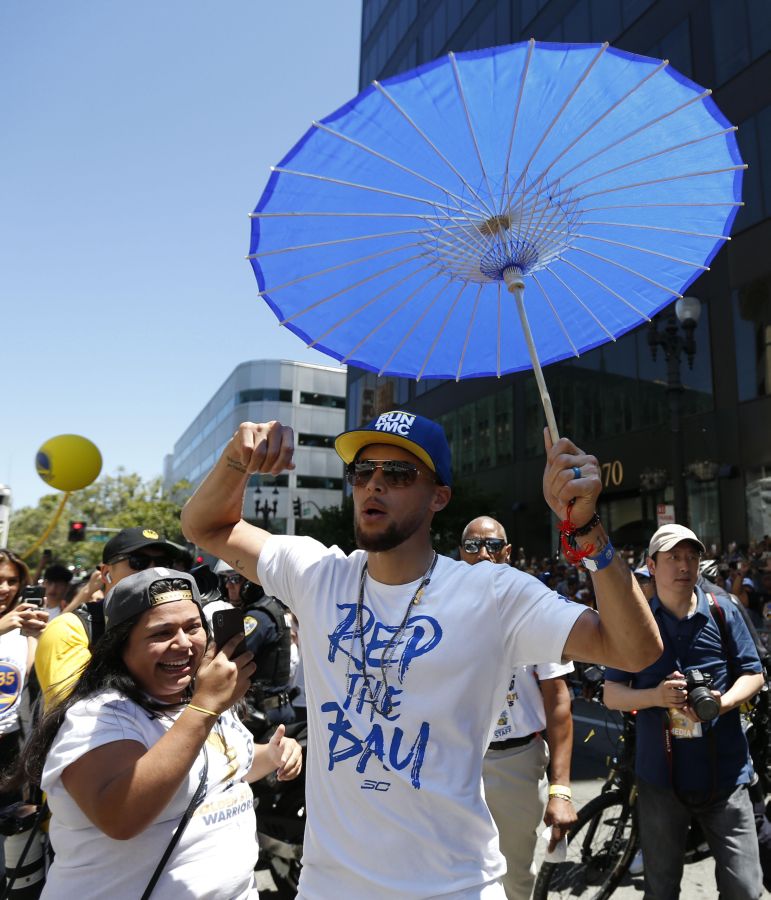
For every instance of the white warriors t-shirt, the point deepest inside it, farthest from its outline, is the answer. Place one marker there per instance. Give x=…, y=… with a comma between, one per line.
x=216, y=855
x=524, y=712
x=13, y=669
x=395, y=806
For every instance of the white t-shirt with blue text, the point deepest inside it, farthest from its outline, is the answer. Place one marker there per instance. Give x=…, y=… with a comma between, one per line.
x=395, y=804
x=13, y=669
x=216, y=855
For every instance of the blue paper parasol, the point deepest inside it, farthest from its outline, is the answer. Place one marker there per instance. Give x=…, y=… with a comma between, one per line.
x=582, y=186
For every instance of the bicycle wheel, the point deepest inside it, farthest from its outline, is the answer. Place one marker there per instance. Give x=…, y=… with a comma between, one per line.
x=601, y=846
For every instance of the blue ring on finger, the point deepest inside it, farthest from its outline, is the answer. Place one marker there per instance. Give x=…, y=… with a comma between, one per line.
x=576, y=472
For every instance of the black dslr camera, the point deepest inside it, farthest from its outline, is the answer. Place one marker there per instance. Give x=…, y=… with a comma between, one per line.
x=700, y=697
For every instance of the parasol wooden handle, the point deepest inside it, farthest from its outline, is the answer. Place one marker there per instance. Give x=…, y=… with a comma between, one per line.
x=516, y=286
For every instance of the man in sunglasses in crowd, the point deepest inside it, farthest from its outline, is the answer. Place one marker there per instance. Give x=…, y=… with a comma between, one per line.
x=534, y=700
x=63, y=648
x=401, y=648
x=232, y=586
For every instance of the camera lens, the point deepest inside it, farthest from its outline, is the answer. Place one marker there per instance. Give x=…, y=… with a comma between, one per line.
x=700, y=698
x=704, y=704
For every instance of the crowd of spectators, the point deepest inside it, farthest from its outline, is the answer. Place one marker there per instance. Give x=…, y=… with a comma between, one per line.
x=744, y=571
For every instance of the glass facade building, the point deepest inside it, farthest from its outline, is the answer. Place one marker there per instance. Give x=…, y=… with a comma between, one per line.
x=310, y=398
x=614, y=400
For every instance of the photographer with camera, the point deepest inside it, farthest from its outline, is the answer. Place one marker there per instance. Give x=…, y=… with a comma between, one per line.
x=692, y=758
x=20, y=623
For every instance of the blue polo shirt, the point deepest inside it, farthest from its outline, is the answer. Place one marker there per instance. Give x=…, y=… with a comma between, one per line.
x=720, y=758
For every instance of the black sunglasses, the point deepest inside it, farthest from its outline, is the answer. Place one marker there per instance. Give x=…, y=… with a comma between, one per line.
x=474, y=545
x=234, y=579
x=396, y=472
x=141, y=561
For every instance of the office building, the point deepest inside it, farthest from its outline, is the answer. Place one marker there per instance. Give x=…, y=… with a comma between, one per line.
x=310, y=398
x=614, y=400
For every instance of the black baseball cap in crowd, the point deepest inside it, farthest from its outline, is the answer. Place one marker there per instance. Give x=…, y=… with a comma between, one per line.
x=134, y=594
x=57, y=573
x=132, y=539
x=422, y=437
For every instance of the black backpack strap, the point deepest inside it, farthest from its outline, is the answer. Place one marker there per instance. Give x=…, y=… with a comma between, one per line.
x=718, y=616
x=91, y=616
x=85, y=620
x=96, y=616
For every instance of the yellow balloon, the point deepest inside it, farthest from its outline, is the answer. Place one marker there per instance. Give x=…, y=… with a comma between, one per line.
x=68, y=462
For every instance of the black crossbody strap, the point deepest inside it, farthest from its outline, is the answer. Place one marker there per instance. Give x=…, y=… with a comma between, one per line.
x=195, y=802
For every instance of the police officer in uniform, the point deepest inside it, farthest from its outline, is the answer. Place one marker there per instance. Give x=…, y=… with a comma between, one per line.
x=267, y=627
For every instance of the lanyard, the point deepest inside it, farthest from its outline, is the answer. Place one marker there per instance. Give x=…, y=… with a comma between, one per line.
x=708, y=733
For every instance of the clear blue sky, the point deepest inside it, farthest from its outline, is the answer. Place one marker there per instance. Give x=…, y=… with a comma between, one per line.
x=136, y=138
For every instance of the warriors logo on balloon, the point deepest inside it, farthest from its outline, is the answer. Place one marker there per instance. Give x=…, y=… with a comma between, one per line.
x=68, y=462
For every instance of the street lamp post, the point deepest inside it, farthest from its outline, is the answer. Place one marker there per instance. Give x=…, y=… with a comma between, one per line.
x=266, y=510
x=313, y=503
x=676, y=338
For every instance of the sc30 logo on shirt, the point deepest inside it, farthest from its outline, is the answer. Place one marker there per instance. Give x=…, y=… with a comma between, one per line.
x=10, y=680
x=369, y=785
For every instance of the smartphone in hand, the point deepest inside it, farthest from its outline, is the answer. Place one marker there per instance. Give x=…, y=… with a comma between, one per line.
x=225, y=624
x=34, y=594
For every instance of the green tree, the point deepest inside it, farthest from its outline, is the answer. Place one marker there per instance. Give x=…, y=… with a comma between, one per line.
x=115, y=501
x=334, y=525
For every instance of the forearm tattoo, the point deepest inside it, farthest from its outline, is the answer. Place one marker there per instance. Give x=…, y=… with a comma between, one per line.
x=236, y=464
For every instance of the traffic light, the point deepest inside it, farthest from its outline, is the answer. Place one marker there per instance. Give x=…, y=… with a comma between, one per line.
x=298, y=508
x=77, y=531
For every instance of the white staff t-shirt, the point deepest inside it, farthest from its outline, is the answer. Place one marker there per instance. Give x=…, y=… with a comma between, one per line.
x=216, y=855
x=395, y=806
x=523, y=711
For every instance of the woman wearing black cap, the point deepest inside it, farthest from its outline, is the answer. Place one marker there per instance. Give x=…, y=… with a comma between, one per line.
x=146, y=732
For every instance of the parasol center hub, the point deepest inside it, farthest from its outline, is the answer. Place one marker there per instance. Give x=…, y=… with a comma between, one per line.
x=495, y=225
x=513, y=278
x=522, y=224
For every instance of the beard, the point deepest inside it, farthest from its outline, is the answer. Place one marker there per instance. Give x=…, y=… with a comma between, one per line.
x=394, y=535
